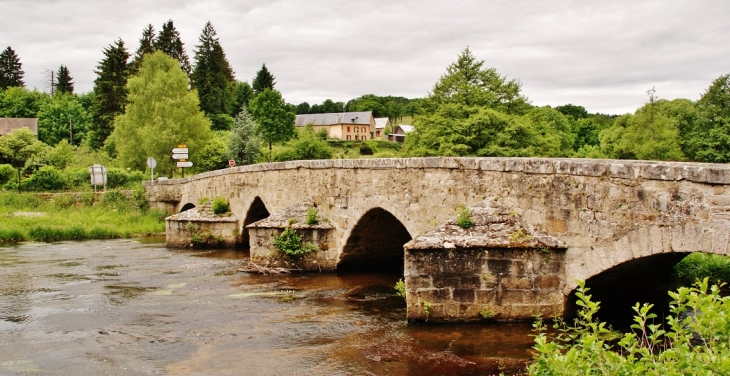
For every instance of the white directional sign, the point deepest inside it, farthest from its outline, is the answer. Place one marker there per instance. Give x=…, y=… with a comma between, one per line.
x=180, y=156
x=184, y=164
x=180, y=151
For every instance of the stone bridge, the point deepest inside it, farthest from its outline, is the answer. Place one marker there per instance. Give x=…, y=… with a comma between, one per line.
x=540, y=224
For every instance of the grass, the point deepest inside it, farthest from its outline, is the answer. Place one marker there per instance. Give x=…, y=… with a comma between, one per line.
x=697, y=266
x=33, y=217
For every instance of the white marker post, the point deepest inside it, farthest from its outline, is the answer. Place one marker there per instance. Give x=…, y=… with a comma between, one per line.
x=152, y=163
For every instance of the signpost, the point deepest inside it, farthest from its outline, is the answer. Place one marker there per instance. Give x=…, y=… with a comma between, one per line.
x=231, y=163
x=180, y=153
x=152, y=163
x=98, y=176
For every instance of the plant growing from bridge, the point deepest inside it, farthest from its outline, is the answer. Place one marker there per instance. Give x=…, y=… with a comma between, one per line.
x=220, y=206
x=312, y=217
x=400, y=288
x=290, y=243
x=463, y=220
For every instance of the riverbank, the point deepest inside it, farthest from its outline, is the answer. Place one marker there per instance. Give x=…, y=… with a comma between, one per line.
x=77, y=216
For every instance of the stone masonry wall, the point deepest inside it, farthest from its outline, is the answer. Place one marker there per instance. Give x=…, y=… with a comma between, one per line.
x=264, y=252
x=491, y=284
x=606, y=212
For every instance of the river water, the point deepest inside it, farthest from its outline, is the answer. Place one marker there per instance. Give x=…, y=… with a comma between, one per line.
x=134, y=307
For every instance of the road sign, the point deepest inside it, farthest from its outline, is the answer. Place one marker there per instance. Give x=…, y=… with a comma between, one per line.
x=180, y=156
x=151, y=162
x=231, y=163
x=180, y=151
x=184, y=164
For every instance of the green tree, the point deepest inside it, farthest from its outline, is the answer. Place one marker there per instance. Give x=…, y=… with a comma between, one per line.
x=244, y=146
x=146, y=46
x=263, y=80
x=243, y=94
x=307, y=146
x=110, y=92
x=162, y=113
x=19, y=102
x=64, y=81
x=577, y=112
x=213, y=78
x=651, y=133
x=61, y=155
x=19, y=146
x=169, y=42
x=468, y=83
x=273, y=116
x=11, y=73
x=330, y=107
x=61, y=117
x=302, y=108
x=214, y=155
x=709, y=138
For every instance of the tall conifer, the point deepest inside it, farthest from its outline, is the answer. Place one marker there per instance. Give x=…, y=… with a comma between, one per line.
x=263, y=80
x=11, y=73
x=169, y=42
x=146, y=46
x=213, y=77
x=64, y=81
x=110, y=93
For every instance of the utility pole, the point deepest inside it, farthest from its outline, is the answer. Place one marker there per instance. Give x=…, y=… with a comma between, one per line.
x=70, y=133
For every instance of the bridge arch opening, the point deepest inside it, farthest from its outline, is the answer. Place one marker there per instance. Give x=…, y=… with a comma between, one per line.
x=375, y=243
x=642, y=280
x=256, y=212
x=187, y=207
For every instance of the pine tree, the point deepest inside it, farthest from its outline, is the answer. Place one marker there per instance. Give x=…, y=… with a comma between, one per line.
x=64, y=81
x=110, y=93
x=213, y=77
x=10, y=70
x=146, y=46
x=263, y=80
x=169, y=42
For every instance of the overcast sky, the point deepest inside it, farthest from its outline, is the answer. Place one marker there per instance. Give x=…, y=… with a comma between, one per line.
x=603, y=55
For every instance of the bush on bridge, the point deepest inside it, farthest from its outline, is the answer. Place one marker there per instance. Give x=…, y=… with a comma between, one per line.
x=696, y=342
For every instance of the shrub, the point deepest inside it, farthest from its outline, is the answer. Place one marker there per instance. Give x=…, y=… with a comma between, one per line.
x=46, y=179
x=463, y=220
x=290, y=243
x=366, y=149
x=63, y=201
x=116, y=178
x=7, y=173
x=78, y=178
x=312, y=217
x=696, y=340
x=220, y=206
x=11, y=236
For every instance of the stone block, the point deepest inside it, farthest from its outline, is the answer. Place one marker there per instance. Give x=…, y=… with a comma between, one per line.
x=499, y=267
x=486, y=296
x=464, y=295
x=510, y=297
x=434, y=295
x=549, y=282
x=471, y=282
x=622, y=170
x=444, y=281
x=492, y=164
x=511, y=283
x=539, y=166
x=423, y=282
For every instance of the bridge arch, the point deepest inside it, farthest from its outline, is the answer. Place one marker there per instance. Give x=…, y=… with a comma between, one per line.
x=256, y=212
x=375, y=242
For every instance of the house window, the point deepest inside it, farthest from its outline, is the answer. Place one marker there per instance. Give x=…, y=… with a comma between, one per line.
x=357, y=129
x=348, y=137
x=356, y=137
x=364, y=137
x=348, y=129
x=363, y=129
x=377, y=133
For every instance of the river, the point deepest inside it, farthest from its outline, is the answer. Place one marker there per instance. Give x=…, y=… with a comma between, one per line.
x=134, y=307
